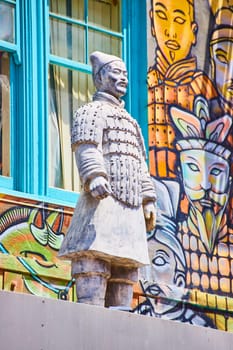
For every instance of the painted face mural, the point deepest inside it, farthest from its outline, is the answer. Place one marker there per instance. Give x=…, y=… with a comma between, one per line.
x=205, y=168
x=222, y=62
x=206, y=184
x=173, y=79
x=221, y=48
x=168, y=274
x=170, y=20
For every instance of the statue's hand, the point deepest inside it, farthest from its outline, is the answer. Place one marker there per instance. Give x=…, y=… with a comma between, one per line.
x=100, y=187
x=150, y=215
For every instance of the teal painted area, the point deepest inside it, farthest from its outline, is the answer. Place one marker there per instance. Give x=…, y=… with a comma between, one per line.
x=67, y=199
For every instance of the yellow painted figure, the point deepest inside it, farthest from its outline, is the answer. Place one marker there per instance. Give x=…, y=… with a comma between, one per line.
x=221, y=48
x=174, y=79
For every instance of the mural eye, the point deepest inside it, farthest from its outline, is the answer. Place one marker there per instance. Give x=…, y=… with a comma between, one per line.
x=159, y=261
x=215, y=171
x=222, y=58
x=179, y=20
x=161, y=14
x=193, y=167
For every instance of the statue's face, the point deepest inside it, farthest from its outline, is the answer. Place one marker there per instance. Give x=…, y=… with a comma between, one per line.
x=174, y=28
x=114, y=79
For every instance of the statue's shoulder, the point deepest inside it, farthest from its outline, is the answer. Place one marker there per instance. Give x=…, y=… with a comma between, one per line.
x=92, y=108
x=90, y=113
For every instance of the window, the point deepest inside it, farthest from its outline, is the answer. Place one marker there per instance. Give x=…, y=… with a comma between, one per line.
x=8, y=51
x=77, y=28
x=45, y=74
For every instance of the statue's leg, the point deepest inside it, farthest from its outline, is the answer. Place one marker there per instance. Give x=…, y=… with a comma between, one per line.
x=91, y=277
x=120, y=287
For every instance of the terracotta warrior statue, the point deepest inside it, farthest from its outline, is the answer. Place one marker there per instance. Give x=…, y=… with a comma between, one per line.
x=106, y=240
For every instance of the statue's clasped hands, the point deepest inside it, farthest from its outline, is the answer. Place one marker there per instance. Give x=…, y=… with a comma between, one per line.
x=100, y=187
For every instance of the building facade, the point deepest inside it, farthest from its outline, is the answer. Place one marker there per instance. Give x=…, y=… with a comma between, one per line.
x=179, y=59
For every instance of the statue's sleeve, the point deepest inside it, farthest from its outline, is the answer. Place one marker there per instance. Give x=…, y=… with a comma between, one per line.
x=88, y=125
x=86, y=139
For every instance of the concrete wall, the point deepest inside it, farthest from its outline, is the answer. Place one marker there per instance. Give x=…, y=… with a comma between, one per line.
x=33, y=323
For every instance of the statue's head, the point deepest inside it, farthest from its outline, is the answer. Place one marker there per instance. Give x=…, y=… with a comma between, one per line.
x=109, y=74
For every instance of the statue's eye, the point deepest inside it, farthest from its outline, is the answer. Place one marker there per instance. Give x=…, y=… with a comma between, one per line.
x=193, y=167
x=116, y=71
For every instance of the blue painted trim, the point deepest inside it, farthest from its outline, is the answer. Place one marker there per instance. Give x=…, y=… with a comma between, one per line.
x=65, y=196
x=65, y=62
x=42, y=94
x=17, y=55
x=68, y=199
x=6, y=46
x=86, y=31
x=6, y=182
x=126, y=30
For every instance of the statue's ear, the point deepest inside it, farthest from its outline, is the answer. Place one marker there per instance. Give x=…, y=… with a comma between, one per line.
x=218, y=129
x=98, y=80
x=188, y=124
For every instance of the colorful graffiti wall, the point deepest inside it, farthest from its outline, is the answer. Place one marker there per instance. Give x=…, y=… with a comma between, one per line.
x=190, y=111
x=30, y=237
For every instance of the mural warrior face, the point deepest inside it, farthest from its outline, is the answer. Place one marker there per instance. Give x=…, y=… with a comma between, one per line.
x=113, y=79
x=222, y=57
x=168, y=281
x=206, y=179
x=173, y=28
x=206, y=183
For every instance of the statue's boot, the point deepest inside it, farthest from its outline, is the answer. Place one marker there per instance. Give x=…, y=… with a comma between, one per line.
x=119, y=292
x=91, y=277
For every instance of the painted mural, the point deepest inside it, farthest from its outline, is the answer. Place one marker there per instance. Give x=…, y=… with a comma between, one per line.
x=190, y=114
x=30, y=237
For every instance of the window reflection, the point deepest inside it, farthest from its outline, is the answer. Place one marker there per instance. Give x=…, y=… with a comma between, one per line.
x=4, y=115
x=7, y=31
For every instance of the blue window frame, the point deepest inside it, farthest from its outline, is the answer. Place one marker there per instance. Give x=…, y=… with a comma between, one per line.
x=35, y=53
x=9, y=58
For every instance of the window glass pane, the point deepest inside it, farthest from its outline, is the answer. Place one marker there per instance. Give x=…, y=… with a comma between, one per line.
x=67, y=40
x=4, y=114
x=104, y=42
x=7, y=31
x=105, y=14
x=68, y=90
x=69, y=8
